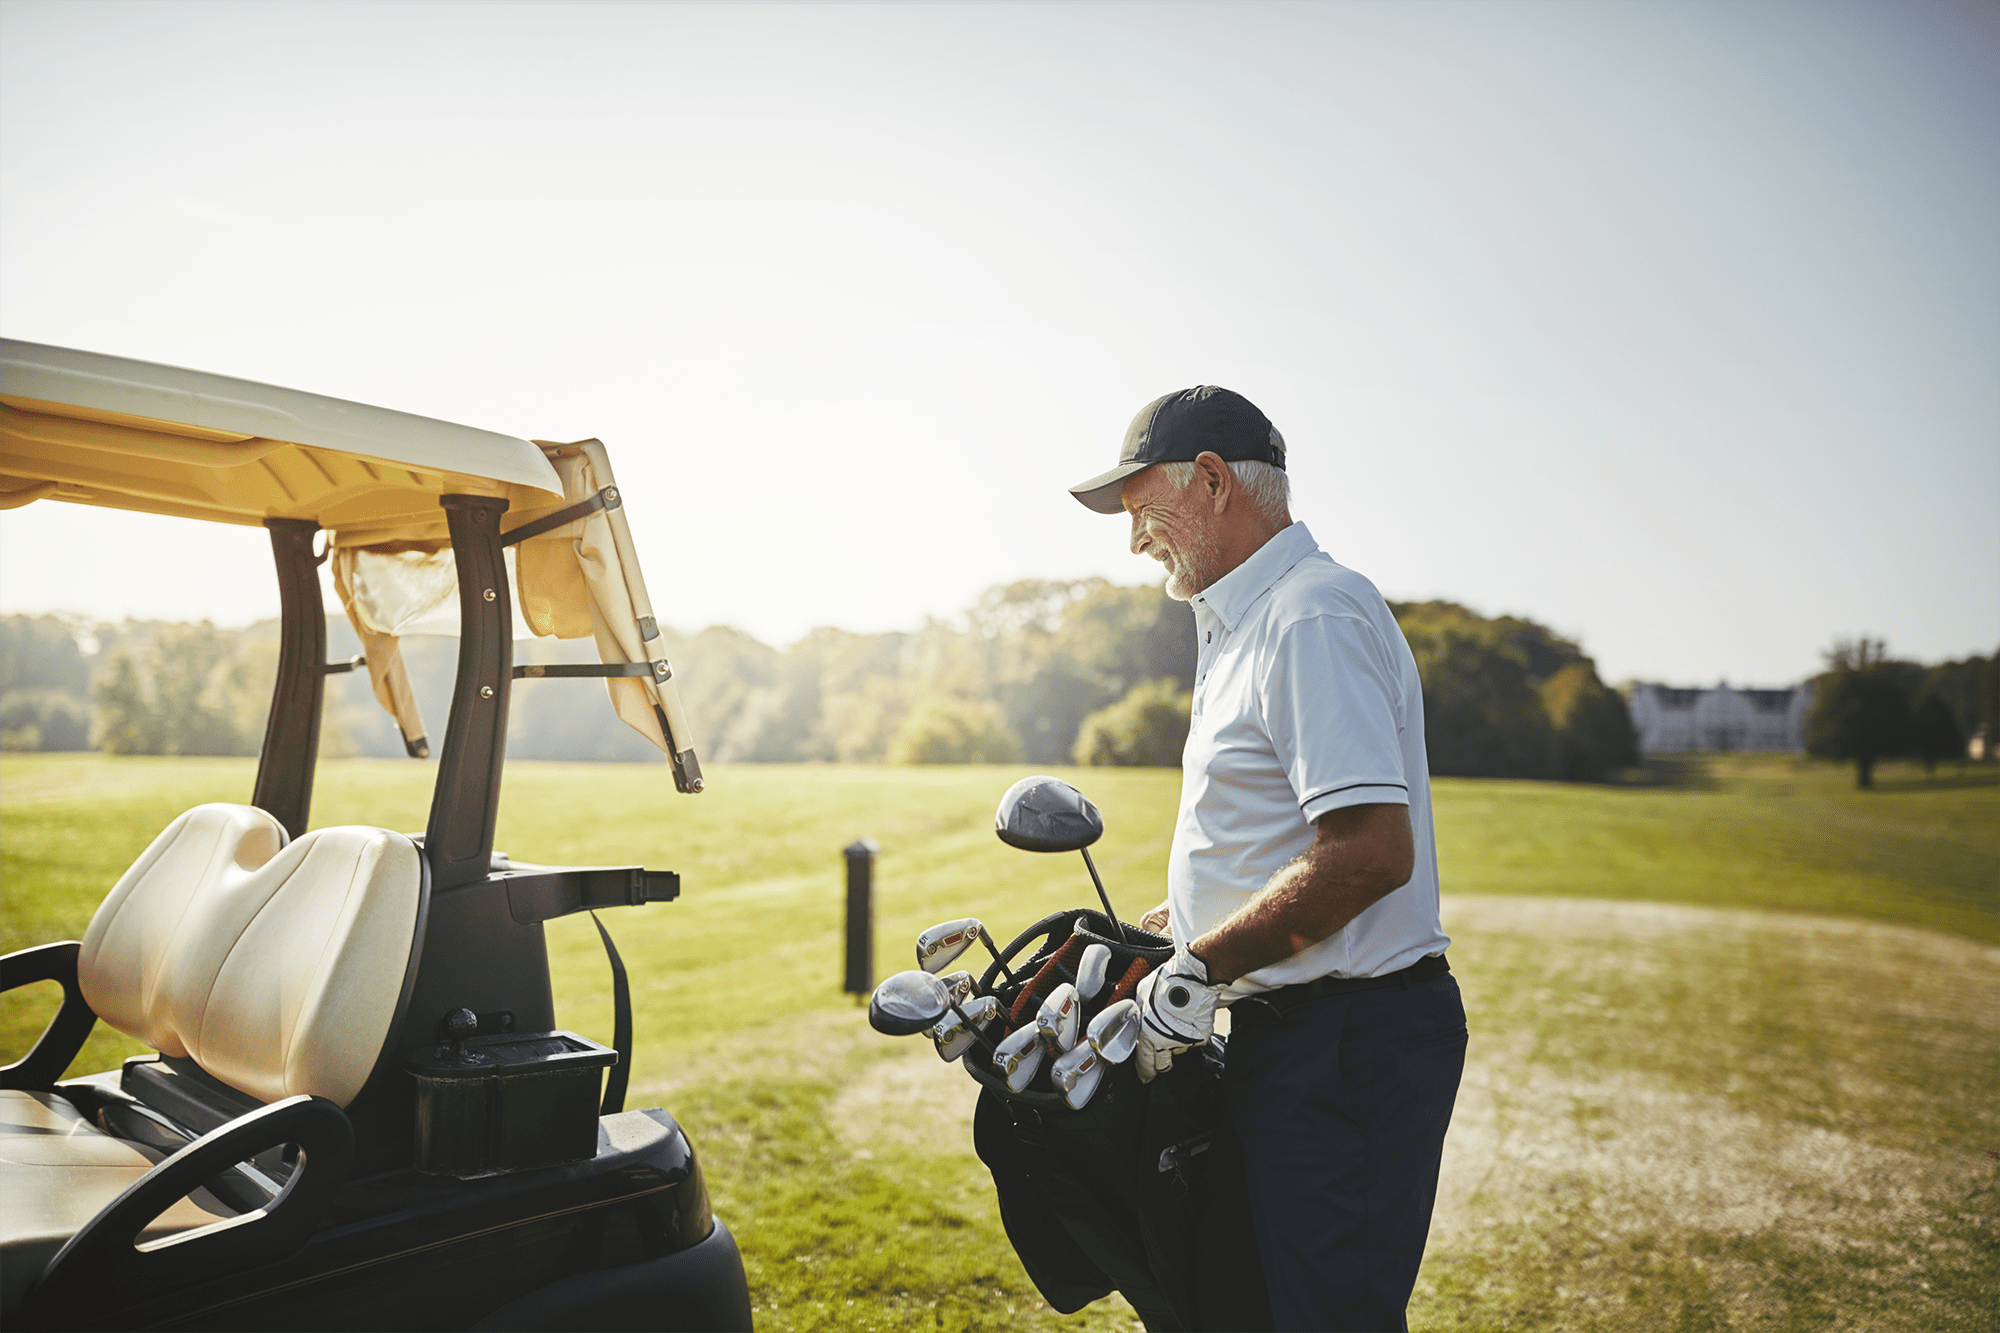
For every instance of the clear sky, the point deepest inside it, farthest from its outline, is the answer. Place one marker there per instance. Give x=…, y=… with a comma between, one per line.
x=1675, y=326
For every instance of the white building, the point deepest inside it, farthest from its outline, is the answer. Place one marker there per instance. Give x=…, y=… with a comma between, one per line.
x=1670, y=720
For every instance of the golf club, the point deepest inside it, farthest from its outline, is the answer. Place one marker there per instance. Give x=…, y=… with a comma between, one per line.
x=1077, y=1073
x=957, y=1032
x=1019, y=1056
x=940, y=946
x=1045, y=814
x=1114, y=1034
x=1060, y=1018
x=1090, y=973
x=959, y=985
x=907, y=1003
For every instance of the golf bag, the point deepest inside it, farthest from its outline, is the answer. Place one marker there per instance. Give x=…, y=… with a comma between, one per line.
x=1142, y=1190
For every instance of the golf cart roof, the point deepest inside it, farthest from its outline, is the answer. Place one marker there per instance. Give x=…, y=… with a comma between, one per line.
x=108, y=430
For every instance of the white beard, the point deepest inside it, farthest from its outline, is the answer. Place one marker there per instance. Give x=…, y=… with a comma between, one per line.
x=1193, y=566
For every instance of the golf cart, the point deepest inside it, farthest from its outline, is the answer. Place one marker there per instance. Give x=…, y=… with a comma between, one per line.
x=362, y=1112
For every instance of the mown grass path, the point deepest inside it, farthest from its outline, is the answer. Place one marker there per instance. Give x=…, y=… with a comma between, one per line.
x=1734, y=1056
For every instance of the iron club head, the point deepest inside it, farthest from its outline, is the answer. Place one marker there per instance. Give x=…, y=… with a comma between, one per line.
x=1114, y=1034
x=955, y=1036
x=1091, y=971
x=940, y=946
x=1019, y=1056
x=1077, y=1074
x=1060, y=1017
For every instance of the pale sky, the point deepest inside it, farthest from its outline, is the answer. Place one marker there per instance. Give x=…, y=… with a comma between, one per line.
x=1674, y=326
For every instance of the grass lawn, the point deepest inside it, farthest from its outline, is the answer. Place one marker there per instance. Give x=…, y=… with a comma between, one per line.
x=1734, y=1064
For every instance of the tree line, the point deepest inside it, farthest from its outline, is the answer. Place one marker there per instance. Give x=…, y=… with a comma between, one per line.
x=1870, y=706
x=1046, y=672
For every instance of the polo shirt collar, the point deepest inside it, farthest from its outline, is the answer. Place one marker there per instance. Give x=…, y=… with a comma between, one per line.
x=1230, y=597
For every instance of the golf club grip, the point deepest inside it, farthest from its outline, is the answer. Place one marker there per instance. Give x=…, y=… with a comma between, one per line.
x=1046, y=980
x=1129, y=982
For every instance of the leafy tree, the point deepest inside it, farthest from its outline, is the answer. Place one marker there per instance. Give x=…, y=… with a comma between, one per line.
x=1863, y=708
x=177, y=701
x=43, y=720
x=1148, y=727
x=1594, y=735
x=1958, y=685
x=1934, y=733
x=946, y=730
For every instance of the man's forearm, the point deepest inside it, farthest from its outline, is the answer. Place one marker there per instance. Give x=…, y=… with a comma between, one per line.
x=1360, y=855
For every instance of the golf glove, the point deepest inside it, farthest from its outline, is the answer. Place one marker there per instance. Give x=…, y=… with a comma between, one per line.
x=1176, y=1009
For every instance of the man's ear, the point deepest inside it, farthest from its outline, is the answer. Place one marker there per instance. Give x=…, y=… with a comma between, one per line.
x=1215, y=478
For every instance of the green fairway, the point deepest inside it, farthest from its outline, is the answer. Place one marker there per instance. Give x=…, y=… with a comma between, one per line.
x=1769, y=1104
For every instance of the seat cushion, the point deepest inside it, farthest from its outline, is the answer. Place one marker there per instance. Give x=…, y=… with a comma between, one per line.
x=57, y=1171
x=275, y=968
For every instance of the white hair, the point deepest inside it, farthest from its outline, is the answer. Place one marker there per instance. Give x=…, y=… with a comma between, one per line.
x=1269, y=489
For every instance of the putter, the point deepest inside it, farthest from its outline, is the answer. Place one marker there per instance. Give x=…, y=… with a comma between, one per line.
x=940, y=946
x=1091, y=972
x=1114, y=1034
x=907, y=1003
x=957, y=1032
x=1020, y=1056
x=1060, y=1018
x=1077, y=1074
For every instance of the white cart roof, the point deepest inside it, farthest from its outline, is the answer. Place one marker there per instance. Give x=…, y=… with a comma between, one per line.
x=107, y=430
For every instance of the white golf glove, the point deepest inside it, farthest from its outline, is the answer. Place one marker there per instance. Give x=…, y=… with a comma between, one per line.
x=1176, y=1011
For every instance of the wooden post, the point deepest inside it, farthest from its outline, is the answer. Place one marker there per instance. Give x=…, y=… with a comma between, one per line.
x=860, y=979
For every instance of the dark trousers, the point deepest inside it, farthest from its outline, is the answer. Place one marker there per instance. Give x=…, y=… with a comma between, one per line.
x=1341, y=1105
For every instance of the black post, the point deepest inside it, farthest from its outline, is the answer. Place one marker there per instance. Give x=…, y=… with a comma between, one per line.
x=861, y=916
x=291, y=735
x=459, y=838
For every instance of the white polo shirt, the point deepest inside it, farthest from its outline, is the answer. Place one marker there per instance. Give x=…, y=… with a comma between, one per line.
x=1306, y=700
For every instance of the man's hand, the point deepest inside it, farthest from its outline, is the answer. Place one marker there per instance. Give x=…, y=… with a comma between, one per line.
x=1176, y=1011
x=1156, y=920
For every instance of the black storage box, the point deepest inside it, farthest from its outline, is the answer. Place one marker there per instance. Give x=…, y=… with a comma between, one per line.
x=509, y=1102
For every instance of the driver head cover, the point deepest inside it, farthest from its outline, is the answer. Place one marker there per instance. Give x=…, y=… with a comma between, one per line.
x=1178, y=428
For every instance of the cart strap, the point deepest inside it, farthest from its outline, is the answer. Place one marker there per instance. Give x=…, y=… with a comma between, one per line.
x=621, y=1025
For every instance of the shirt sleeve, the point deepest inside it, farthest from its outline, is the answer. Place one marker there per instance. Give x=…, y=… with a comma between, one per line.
x=1334, y=715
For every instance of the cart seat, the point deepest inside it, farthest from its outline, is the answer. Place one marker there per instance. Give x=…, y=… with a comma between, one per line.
x=276, y=967
x=57, y=1170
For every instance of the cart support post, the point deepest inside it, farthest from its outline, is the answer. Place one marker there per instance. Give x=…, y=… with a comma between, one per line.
x=291, y=734
x=459, y=838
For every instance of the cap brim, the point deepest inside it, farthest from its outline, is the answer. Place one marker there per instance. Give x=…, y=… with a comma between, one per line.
x=1101, y=492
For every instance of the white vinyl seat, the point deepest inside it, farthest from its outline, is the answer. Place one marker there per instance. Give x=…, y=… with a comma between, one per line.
x=275, y=966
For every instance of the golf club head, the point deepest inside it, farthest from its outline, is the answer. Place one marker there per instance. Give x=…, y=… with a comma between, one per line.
x=1114, y=1034
x=907, y=1003
x=1020, y=1056
x=954, y=1036
x=940, y=946
x=959, y=985
x=1060, y=1017
x=1077, y=1075
x=1045, y=814
x=1092, y=970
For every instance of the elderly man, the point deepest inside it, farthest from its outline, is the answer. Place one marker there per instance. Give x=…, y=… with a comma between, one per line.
x=1302, y=889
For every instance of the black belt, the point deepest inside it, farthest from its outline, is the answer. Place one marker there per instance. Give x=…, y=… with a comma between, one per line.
x=1274, y=1004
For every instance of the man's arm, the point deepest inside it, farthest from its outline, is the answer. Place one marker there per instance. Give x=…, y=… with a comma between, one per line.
x=1362, y=854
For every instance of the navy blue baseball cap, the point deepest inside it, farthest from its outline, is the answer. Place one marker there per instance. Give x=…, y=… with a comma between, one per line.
x=1179, y=427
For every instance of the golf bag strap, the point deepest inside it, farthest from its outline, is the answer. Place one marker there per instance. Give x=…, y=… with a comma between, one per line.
x=621, y=1025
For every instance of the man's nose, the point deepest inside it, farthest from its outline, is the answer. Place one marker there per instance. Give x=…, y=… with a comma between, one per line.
x=1135, y=545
